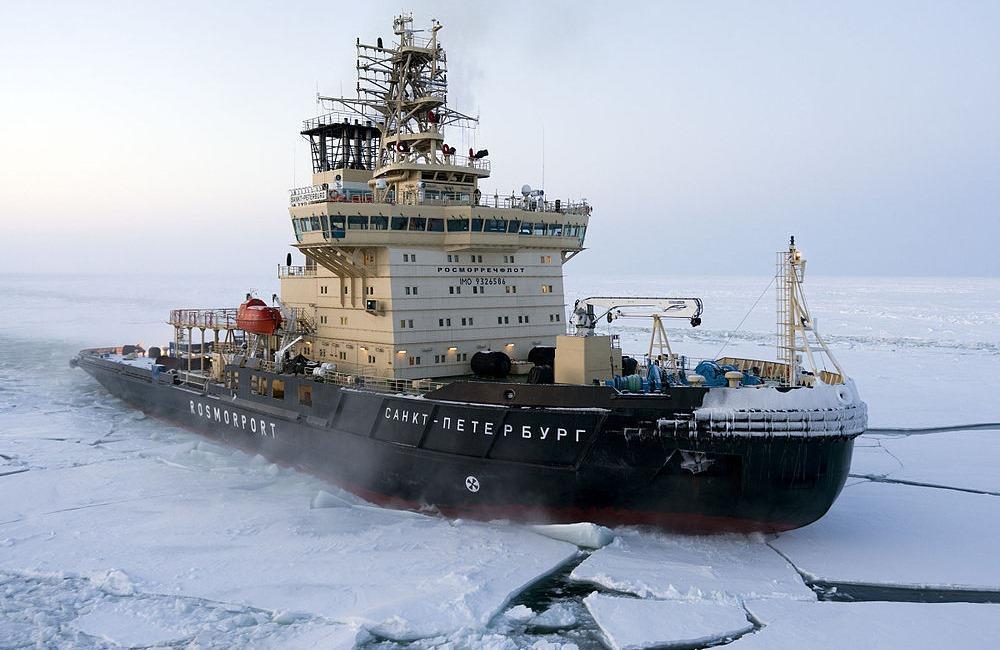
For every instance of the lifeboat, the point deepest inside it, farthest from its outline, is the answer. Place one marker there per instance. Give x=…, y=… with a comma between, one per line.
x=256, y=317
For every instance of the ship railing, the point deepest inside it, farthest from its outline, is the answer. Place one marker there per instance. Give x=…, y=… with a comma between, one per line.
x=194, y=379
x=296, y=271
x=381, y=384
x=775, y=371
x=341, y=117
x=215, y=319
x=533, y=204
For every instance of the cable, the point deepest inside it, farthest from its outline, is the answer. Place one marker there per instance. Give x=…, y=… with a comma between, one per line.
x=747, y=315
x=952, y=427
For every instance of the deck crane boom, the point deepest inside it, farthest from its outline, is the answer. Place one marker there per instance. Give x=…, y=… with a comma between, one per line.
x=586, y=311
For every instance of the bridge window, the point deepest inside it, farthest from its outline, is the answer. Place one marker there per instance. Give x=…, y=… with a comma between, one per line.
x=380, y=223
x=477, y=224
x=418, y=224
x=357, y=223
x=555, y=230
x=495, y=225
x=435, y=225
x=526, y=228
x=458, y=225
x=399, y=223
x=540, y=229
x=514, y=225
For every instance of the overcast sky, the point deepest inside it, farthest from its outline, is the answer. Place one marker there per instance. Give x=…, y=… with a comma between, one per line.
x=141, y=135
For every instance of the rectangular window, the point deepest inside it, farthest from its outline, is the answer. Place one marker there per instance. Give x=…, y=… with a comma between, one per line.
x=258, y=385
x=520, y=320
x=546, y=259
x=278, y=389
x=463, y=321
x=558, y=317
x=409, y=324
x=342, y=355
x=343, y=320
x=371, y=358
x=510, y=288
x=406, y=257
x=402, y=324
x=407, y=291
x=499, y=320
x=546, y=288
x=526, y=318
x=346, y=289
x=440, y=322
x=399, y=223
x=306, y=395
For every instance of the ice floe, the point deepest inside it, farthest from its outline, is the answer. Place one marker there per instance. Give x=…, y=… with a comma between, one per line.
x=914, y=626
x=948, y=459
x=887, y=534
x=633, y=623
x=584, y=535
x=723, y=567
x=191, y=518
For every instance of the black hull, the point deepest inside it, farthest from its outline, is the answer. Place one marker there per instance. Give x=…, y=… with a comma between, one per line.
x=521, y=461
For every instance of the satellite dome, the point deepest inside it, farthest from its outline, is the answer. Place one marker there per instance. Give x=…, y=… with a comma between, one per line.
x=525, y=190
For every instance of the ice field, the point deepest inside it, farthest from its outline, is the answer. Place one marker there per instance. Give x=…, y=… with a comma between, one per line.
x=117, y=530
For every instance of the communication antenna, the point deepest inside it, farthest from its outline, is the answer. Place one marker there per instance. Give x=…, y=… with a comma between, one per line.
x=543, y=156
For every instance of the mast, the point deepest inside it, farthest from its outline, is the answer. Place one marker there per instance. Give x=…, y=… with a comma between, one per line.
x=797, y=333
x=404, y=91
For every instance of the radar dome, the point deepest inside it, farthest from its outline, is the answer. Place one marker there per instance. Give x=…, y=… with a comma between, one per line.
x=525, y=190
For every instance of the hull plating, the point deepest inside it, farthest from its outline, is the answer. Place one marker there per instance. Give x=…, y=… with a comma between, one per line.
x=533, y=464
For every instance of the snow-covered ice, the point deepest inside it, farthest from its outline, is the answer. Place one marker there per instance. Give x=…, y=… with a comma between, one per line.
x=119, y=529
x=888, y=534
x=632, y=623
x=723, y=567
x=158, y=516
x=914, y=626
x=584, y=535
x=950, y=459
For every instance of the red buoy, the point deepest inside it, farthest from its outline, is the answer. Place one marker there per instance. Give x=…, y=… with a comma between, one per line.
x=256, y=317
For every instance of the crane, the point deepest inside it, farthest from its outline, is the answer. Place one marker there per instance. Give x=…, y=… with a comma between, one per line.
x=588, y=311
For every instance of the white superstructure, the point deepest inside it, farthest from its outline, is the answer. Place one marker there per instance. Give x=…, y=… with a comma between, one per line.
x=410, y=267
